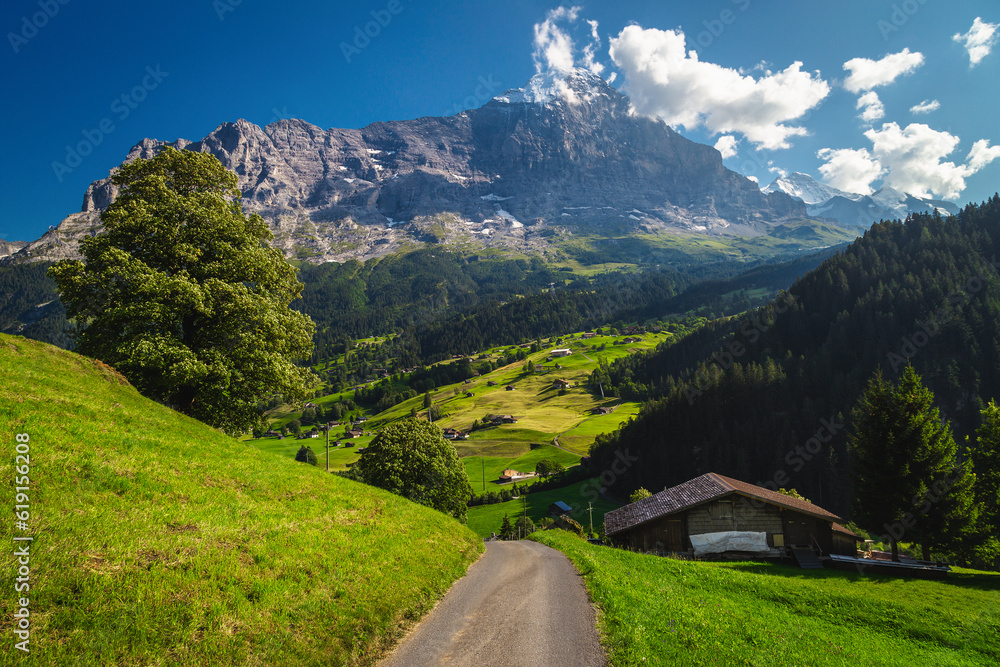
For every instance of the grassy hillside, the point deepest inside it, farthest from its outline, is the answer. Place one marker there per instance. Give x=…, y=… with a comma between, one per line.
x=486, y=519
x=158, y=541
x=661, y=611
x=542, y=413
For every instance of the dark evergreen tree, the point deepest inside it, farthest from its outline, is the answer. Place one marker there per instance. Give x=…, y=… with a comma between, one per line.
x=306, y=455
x=506, y=530
x=906, y=477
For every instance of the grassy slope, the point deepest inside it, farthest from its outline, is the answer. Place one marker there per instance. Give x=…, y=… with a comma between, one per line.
x=660, y=611
x=523, y=463
x=161, y=541
x=486, y=519
x=542, y=414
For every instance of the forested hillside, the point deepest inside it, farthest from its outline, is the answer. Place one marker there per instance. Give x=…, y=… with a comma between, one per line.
x=30, y=306
x=765, y=396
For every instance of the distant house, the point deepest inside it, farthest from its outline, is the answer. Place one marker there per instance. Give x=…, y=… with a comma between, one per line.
x=510, y=387
x=713, y=504
x=510, y=474
x=561, y=384
x=558, y=508
x=589, y=334
x=454, y=434
x=469, y=394
x=504, y=419
x=353, y=434
x=601, y=410
x=562, y=352
x=491, y=383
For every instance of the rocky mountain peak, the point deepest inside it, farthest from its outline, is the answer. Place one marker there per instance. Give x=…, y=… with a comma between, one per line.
x=562, y=155
x=554, y=86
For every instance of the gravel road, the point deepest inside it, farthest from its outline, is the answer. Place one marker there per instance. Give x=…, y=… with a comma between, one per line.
x=522, y=604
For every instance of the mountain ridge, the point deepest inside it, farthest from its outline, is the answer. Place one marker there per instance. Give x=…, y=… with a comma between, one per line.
x=853, y=209
x=564, y=155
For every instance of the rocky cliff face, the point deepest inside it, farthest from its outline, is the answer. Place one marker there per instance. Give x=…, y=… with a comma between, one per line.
x=565, y=154
x=10, y=247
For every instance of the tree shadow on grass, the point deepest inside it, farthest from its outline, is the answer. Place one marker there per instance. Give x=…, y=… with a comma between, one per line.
x=983, y=582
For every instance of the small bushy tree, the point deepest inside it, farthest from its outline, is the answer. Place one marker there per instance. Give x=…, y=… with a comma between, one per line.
x=306, y=455
x=506, y=530
x=639, y=494
x=547, y=467
x=411, y=458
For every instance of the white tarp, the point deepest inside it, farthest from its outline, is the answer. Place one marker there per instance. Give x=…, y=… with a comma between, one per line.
x=730, y=540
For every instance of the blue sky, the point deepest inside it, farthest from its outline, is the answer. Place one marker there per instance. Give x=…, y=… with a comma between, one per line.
x=102, y=76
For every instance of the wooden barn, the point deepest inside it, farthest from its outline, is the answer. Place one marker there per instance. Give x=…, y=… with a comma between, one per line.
x=711, y=504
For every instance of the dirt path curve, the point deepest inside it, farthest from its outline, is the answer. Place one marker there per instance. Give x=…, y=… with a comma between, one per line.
x=522, y=604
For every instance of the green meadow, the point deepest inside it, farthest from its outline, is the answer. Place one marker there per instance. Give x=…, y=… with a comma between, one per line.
x=661, y=611
x=526, y=462
x=486, y=519
x=160, y=541
x=543, y=413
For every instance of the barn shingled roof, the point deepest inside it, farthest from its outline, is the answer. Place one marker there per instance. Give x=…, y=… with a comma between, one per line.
x=698, y=491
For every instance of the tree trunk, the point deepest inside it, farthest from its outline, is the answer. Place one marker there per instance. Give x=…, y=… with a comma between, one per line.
x=895, y=550
x=925, y=553
x=185, y=399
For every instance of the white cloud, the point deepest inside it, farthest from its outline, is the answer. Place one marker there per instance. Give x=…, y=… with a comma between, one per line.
x=590, y=48
x=914, y=157
x=981, y=155
x=926, y=106
x=979, y=41
x=727, y=146
x=871, y=106
x=848, y=169
x=663, y=79
x=866, y=74
x=555, y=48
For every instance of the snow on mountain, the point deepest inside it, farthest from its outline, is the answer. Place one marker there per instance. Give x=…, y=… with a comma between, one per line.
x=574, y=86
x=852, y=209
x=806, y=188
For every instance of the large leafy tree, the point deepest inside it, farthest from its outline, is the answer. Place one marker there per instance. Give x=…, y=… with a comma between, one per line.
x=411, y=458
x=906, y=476
x=183, y=294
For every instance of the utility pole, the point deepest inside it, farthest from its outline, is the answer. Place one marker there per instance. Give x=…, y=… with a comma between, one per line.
x=590, y=508
x=524, y=505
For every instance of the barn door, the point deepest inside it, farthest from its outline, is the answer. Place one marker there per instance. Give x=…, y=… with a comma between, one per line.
x=797, y=530
x=675, y=535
